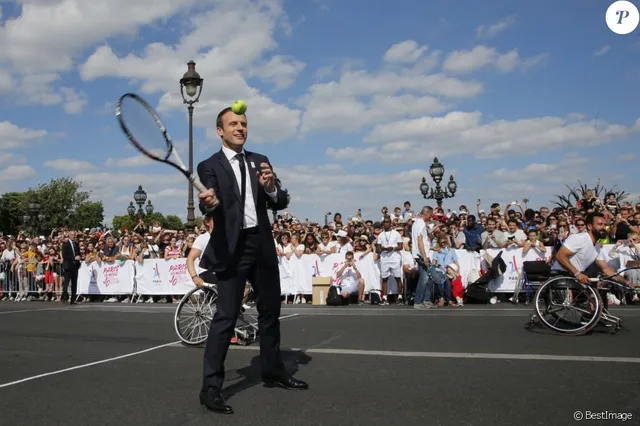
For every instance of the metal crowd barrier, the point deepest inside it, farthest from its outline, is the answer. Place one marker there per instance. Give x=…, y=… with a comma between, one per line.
x=17, y=286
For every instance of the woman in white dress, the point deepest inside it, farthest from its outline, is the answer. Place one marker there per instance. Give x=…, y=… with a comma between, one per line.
x=299, y=274
x=285, y=250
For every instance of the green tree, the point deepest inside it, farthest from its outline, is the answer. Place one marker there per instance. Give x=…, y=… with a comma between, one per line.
x=124, y=221
x=172, y=222
x=88, y=215
x=12, y=207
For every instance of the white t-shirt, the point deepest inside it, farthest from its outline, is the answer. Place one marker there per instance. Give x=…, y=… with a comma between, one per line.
x=407, y=259
x=201, y=242
x=418, y=228
x=345, y=248
x=584, y=251
x=348, y=277
x=389, y=238
x=328, y=246
x=518, y=236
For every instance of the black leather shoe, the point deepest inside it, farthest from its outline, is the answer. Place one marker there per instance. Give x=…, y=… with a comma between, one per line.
x=213, y=400
x=285, y=381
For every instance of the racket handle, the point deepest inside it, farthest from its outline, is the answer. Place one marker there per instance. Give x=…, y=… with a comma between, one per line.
x=196, y=182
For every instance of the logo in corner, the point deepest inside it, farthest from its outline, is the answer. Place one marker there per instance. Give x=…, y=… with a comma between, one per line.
x=622, y=17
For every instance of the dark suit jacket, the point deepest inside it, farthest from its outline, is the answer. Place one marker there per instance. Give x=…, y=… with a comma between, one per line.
x=216, y=172
x=69, y=262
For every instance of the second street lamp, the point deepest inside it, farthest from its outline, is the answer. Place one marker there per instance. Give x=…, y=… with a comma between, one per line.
x=191, y=83
x=437, y=172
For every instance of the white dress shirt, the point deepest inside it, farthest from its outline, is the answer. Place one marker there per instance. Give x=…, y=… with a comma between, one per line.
x=250, y=214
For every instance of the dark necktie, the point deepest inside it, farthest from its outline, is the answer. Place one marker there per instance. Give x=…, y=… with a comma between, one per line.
x=243, y=183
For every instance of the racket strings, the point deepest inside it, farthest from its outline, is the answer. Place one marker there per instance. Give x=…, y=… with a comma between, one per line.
x=144, y=130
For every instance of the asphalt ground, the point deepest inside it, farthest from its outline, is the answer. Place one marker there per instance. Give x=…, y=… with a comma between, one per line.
x=373, y=365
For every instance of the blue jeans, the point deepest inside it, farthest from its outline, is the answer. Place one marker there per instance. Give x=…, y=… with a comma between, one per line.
x=444, y=290
x=424, y=288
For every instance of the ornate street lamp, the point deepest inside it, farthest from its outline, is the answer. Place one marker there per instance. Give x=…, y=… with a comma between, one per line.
x=149, y=208
x=191, y=83
x=34, y=216
x=140, y=196
x=437, y=172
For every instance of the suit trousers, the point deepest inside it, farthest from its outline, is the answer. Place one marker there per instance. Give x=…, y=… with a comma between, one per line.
x=249, y=263
x=70, y=278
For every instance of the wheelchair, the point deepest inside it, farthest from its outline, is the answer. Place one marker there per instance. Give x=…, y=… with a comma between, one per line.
x=195, y=311
x=566, y=306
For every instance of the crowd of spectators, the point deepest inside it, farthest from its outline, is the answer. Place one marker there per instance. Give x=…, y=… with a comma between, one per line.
x=30, y=266
x=514, y=225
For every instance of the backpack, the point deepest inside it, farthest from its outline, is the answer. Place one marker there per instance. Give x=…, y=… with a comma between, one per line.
x=334, y=298
x=374, y=297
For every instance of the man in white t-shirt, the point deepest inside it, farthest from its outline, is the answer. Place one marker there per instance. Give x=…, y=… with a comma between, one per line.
x=389, y=245
x=351, y=281
x=580, y=251
x=421, y=235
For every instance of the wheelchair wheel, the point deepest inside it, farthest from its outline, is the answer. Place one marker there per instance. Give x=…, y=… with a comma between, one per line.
x=566, y=306
x=193, y=315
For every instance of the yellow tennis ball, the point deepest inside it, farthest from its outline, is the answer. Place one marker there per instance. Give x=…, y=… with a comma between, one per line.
x=239, y=107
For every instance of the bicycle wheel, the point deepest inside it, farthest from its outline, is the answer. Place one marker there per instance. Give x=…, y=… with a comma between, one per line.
x=193, y=315
x=566, y=306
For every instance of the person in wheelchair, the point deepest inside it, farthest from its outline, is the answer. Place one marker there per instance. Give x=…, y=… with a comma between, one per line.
x=580, y=252
x=199, y=279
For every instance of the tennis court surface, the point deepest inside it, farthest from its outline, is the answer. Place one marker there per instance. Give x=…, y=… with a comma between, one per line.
x=104, y=364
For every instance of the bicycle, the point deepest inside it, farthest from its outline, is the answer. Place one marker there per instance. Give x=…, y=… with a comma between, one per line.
x=195, y=311
x=585, y=304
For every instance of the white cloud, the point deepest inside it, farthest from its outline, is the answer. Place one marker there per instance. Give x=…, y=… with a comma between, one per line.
x=6, y=81
x=359, y=98
x=604, y=49
x=407, y=51
x=221, y=54
x=461, y=132
x=74, y=101
x=49, y=36
x=16, y=172
x=495, y=29
x=135, y=161
x=467, y=61
x=69, y=165
x=629, y=156
x=563, y=171
x=8, y=157
x=279, y=70
x=12, y=136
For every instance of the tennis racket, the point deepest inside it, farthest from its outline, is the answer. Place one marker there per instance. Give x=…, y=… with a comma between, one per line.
x=146, y=131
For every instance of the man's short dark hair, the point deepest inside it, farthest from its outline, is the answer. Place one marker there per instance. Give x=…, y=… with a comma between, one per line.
x=512, y=221
x=426, y=209
x=221, y=114
x=591, y=216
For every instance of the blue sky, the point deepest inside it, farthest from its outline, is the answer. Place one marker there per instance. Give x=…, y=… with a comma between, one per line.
x=350, y=100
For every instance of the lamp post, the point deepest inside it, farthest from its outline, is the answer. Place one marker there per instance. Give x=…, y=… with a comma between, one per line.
x=34, y=215
x=140, y=196
x=437, y=172
x=278, y=183
x=191, y=83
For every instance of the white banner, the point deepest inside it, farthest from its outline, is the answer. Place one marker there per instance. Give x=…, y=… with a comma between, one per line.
x=164, y=277
x=160, y=276
x=106, y=278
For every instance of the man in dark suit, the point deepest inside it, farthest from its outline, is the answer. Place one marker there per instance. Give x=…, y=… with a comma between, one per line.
x=241, y=188
x=70, y=266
